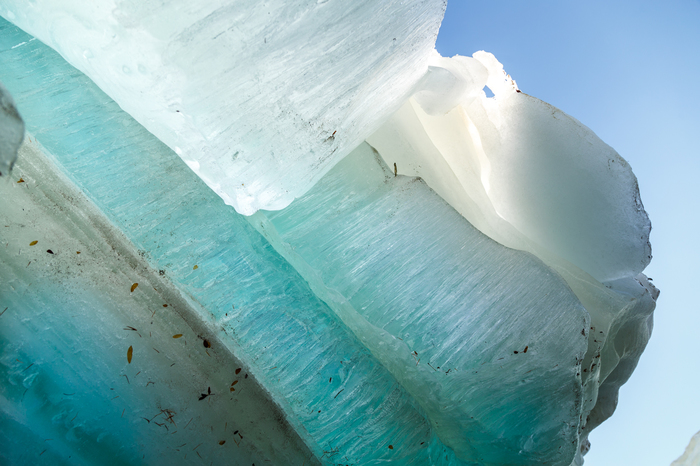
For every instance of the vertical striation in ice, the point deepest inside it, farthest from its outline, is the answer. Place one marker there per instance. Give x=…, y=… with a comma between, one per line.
x=11, y=132
x=488, y=340
x=260, y=99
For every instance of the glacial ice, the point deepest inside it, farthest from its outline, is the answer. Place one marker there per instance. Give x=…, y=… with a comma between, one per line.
x=434, y=329
x=69, y=393
x=11, y=132
x=691, y=455
x=464, y=287
x=520, y=170
x=203, y=76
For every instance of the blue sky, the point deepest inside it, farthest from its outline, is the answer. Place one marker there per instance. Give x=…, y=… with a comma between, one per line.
x=630, y=71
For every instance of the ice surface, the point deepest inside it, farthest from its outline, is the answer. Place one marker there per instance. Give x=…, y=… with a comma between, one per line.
x=496, y=372
x=70, y=395
x=11, y=132
x=484, y=313
x=533, y=178
x=260, y=99
x=342, y=402
x=520, y=170
x=424, y=286
x=691, y=456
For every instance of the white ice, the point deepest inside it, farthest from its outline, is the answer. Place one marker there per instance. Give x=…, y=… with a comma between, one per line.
x=262, y=98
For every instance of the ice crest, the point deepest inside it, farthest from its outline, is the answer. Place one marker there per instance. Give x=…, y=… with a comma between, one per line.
x=265, y=98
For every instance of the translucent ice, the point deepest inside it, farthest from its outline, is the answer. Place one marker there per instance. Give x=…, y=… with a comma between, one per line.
x=90, y=371
x=338, y=398
x=432, y=299
x=535, y=179
x=260, y=100
x=11, y=132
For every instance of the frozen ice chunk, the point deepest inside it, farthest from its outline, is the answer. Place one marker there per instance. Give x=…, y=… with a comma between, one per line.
x=535, y=179
x=621, y=324
x=500, y=82
x=691, y=456
x=89, y=369
x=11, y=131
x=556, y=182
x=259, y=99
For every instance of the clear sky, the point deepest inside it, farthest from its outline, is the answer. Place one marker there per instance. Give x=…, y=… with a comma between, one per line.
x=630, y=71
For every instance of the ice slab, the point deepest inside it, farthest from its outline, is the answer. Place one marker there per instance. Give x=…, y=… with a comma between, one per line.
x=259, y=99
x=535, y=179
x=427, y=294
x=488, y=340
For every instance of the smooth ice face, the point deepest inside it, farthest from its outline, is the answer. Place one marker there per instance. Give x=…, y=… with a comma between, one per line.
x=260, y=100
x=11, y=132
x=522, y=171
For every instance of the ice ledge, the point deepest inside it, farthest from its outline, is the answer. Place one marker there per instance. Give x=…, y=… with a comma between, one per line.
x=259, y=99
